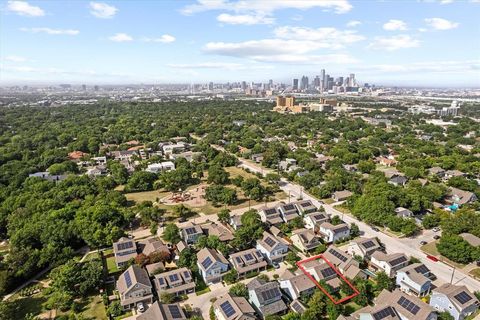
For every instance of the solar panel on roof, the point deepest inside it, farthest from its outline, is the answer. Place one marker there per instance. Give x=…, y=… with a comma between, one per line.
x=174, y=311
x=384, y=313
x=207, y=262
x=186, y=274
x=270, y=211
x=398, y=260
x=288, y=207
x=463, y=297
x=368, y=244
x=422, y=269
x=128, y=280
x=227, y=309
x=326, y=273
x=259, y=254
x=173, y=277
x=125, y=245
x=319, y=216
x=270, y=241
x=239, y=260
x=297, y=307
x=248, y=257
x=161, y=281
x=338, y=255
x=190, y=231
x=270, y=294
x=306, y=204
x=408, y=305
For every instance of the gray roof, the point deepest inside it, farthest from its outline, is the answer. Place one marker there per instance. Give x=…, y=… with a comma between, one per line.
x=159, y=311
x=455, y=293
x=136, y=275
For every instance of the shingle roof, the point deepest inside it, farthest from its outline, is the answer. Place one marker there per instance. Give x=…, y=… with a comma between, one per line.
x=458, y=295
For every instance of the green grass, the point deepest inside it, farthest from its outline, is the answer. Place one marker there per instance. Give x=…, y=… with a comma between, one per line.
x=475, y=273
x=110, y=259
x=200, y=292
x=328, y=200
x=146, y=196
x=95, y=309
x=351, y=307
x=32, y=304
x=431, y=249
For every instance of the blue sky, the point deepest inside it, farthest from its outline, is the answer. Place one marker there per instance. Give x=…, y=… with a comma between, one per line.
x=427, y=43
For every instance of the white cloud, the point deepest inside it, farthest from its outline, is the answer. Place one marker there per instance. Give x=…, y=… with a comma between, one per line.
x=394, y=43
x=338, y=6
x=353, y=23
x=218, y=65
x=277, y=50
x=23, y=8
x=69, y=32
x=324, y=37
x=15, y=59
x=121, y=37
x=441, y=24
x=446, y=1
x=297, y=17
x=244, y=19
x=102, y=10
x=393, y=25
x=430, y=66
x=166, y=38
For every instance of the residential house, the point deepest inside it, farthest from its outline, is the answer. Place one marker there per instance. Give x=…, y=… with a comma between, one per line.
x=305, y=239
x=187, y=155
x=398, y=180
x=473, y=240
x=452, y=174
x=124, y=250
x=134, y=287
x=258, y=157
x=272, y=216
x=160, y=167
x=152, y=245
x=288, y=212
x=218, y=230
x=332, y=233
x=45, y=175
x=461, y=197
x=272, y=247
x=176, y=282
x=414, y=279
x=296, y=285
x=235, y=222
x=97, y=171
x=364, y=247
x=456, y=300
x=285, y=164
x=395, y=305
x=172, y=148
x=190, y=233
x=389, y=263
x=314, y=220
x=248, y=261
x=230, y=307
x=341, y=195
x=388, y=162
x=345, y=263
x=160, y=311
x=323, y=272
x=298, y=307
x=212, y=265
x=305, y=207
x=403, y=212
x=437, y=171
x=154, y=268
x=266, y=297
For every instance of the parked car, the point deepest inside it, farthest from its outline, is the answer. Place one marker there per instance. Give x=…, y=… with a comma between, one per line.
x=436, y=237
x=276, y=265
x=436, y=229
x=375, y=229
x=432, y=258
x=140, y=307
x=423, y=242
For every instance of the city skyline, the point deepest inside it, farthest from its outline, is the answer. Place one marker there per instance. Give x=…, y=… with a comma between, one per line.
x=422, y=43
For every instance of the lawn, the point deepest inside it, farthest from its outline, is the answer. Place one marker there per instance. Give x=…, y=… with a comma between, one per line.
x=32, y=304
x=110, y=258
x=95, y=309
x=328, y=200
x=351, y=307
x=475, y=273
x=146, y=196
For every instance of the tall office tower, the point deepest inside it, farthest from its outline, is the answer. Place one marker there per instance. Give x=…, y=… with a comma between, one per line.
x=295, y=84
x=304, y=83
x=322, y=78
x=322, y=85
x=244, y=85
x=270, y=84
x=316, y=82
x=346, y=82
x=352, y=80
x=210, y=86
x=96, y=88
x=84, y=87
x=252, y=85
x=339, y=81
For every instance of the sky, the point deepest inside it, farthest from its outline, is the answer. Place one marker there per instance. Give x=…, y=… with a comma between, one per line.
x=397, y=42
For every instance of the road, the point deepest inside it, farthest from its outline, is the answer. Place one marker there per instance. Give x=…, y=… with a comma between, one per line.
x=409, y=246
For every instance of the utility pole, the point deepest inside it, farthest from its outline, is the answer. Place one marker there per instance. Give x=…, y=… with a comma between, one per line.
x=453, y=272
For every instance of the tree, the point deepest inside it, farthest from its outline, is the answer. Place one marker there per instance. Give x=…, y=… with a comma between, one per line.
x=336, y=220
x=354, y=230
x=183, y=212
x=231, y=276
x=445, y=315
x=115, y=309
x=430, y=221
x=224, y=216
x=239, y=290
x=253, y=189
x=250, y=231
x=457, y=249
x=159, y=256
x=292, y=258
x=8, y=310
x=187, y=259
x=366, y=166
x=167, y=297
x=171, y=233
x=383, y=281
x=217, y=175
x=141, y=181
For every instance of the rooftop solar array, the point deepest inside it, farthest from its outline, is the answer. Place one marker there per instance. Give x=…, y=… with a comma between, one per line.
x=270, y=211
x=319, y=216
x=422, y=269
x=190, y=231
x=248, y=257
x=398, y=260
x=368, y=244
x=207, y=262
x=326, y=273
x=161, y=281
x=270, y=241
x=259, y=254
x=463, y=297
x=186, y=274
x=227, y=309
x=384, y=313
x=297, y=307
x=342, y=229
x=128, y=279
x=239, y=260
x=270, y=294
x=125, y=245
x=289, y=207
x=338, y=255
x=408, y=305
x=173, y=277
x=306, y=204
x=174, y=311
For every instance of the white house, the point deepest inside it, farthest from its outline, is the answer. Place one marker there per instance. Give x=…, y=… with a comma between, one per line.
x=272, y=248
x=456, y=300
x=389, y=263
x=333, y=233
x=160, y=167
x=414, y=279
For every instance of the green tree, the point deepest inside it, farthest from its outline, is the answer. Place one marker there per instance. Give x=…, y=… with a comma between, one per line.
x=217, y=175
x=171, y=233
x=383, y=281
x=239, y=290
x=224, y=216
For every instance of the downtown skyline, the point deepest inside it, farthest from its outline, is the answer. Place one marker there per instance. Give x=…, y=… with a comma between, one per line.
x=415, y=43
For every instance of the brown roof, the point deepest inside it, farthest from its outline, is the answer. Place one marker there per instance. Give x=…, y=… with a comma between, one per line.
x=242, y=309
x=75, y=155
x=300, y=283
x=451, y=291
x=409, y=306
x=214, y=229
x=136, y=275
x=152, y=245
x=213, y=254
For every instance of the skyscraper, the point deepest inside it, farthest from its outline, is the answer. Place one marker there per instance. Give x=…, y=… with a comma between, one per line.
x=304, y=83
x=323, y=80
x=295, y=84
x=316, y=82
x=352, y=83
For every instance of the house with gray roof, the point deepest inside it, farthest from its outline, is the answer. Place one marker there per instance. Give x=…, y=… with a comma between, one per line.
x=296, y=285
x=212, y=265
x=218, y=230
x=305, y=239
x=332, y=233
x=341, y=195
x=124, y=250
x=229, y=307
x=305, y=207
x=364, y=247
x=177, y=282
x=160, y=311
x=389, y=263
x=134, y=287
x=248, y=261
x=191, y=232
x=273, y=248
x=288, y=211
x=456, y=300
x=314, y=220
x=460, y=197
x=266, y=297
x=298, y=307
x=271, y=215
x=473, y=240
x=414, y=279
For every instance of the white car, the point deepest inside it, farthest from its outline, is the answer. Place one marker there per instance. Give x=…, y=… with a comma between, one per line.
x=436, y=229
x=140, y=307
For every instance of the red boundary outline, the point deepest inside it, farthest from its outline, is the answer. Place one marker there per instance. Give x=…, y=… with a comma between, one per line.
x=355, y=290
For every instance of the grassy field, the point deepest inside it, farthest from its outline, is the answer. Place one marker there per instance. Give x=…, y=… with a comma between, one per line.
x=32, y=304
x=110, y=258
x=146, y=196
x=475, y=273
x=95, y=309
